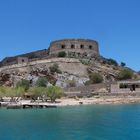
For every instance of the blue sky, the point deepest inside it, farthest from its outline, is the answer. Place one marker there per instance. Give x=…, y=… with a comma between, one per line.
x=29, y=25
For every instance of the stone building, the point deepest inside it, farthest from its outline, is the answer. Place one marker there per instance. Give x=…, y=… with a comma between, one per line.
x=24, y=58
x=125, y=87
x=14, y=60
x=79, y=47
x=72, y=47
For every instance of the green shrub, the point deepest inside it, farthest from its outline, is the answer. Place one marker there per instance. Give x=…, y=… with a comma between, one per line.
x=2, y=91
x=123, y=64
x=89, y=82
x=95, y=78
x=54, y=92
x=54, y=68
x=19, y=91
x=112, y=62
x=11, y=92
x=71, y=83
x=85, y=62
x=42, y=82
x=37, y=91
x=24, y=84
x=62, y=54
x=125, y=74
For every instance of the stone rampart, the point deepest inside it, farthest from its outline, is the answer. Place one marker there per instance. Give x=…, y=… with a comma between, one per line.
x=75, y=47
x=52, y=60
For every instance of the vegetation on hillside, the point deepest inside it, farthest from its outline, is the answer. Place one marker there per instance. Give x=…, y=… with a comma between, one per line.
x=25, y=84
x=110, y=61
x=95, y=78
x=125, y=74
x=54, y=69
x=71, y=83
x=42, y=82
x=62, y=54
x=123, y=64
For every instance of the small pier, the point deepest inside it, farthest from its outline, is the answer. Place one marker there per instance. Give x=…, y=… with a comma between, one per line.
x=26, y=105
x=38, y=106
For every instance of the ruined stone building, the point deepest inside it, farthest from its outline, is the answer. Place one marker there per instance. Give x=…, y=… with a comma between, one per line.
x=72, y=47
x=129, y=86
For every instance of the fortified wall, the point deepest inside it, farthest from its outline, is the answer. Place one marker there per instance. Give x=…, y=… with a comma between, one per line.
x=25, y=58
x=72, y=48
x=70, y=65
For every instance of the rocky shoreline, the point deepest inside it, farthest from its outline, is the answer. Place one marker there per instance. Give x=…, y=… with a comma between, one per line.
x=23, y=104
x=100, y=100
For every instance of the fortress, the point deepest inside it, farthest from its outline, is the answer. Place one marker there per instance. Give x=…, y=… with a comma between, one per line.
x=76, y=47
x=72, y=48
x=81, y=58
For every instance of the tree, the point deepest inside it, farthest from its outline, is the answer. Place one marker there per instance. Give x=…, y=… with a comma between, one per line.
x=42, y=82
x=111, y=61
x=54, y=92
x=20, y=91
x=125, y=74
x=37, y=91
x=54, y=68
x=95, y=78
x=11, y=92
x=62, y=54
x=123, y=64
x=2, y=92
x=24, y=84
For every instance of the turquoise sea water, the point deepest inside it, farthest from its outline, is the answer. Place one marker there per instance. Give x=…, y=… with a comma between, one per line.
x=96, y=122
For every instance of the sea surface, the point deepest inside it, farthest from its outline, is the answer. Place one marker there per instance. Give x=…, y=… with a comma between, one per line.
x=95, y=122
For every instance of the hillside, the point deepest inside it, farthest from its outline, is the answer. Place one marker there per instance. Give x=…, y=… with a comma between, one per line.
x=70, y=71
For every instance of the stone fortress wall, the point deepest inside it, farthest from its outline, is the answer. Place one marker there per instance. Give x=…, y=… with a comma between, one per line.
x=25, y=58
x=72, y=47
x=69, y=65
x=75, y=46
